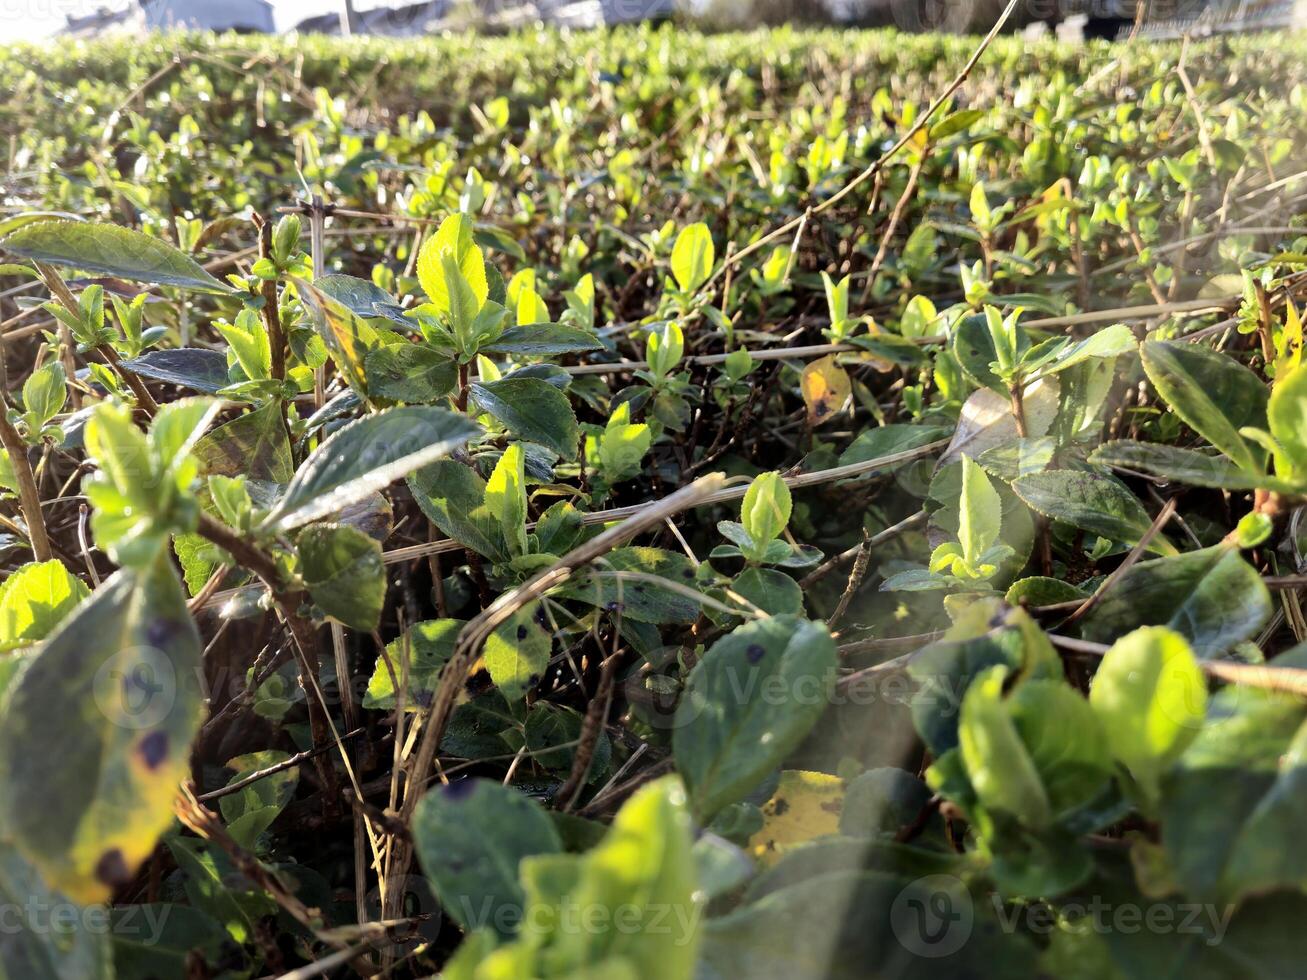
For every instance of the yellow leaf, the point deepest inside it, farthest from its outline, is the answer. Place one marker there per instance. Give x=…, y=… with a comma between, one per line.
x=455, y=237
x=805, y=805
x=826, y=387
x=346, y=336
x=1289, y=348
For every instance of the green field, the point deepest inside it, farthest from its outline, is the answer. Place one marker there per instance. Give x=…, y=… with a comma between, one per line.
x=646, y=504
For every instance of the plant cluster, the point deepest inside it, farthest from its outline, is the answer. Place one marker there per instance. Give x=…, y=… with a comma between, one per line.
x=652, y=505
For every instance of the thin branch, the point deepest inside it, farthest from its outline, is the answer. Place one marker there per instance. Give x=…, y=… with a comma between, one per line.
x=272, y=770
x=29, y=499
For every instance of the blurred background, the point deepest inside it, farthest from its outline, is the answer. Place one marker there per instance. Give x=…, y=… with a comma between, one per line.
x=1071, y=19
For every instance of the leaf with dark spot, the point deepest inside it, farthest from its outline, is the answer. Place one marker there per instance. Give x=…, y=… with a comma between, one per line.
x=80, y=795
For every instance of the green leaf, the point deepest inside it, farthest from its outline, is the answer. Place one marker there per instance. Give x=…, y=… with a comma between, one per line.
x=1213, y=393
x=1065, y=741
x=346, y=337
x=973, y=346
x=111, y=701
x=460, y=298
x=1253, y=529
x=559, y=529
x=530, y=308
x=343, y=570
x=506, y=497
x=452, y=238
x=1098, y=504
x=775, y=593
x=254, y=445
x=1109, y=342
x=250, y=810
x=663, y=348
x=38, y=940
x=429, y=644
x=470, y=837
x=1151, y=696
x=886, y=440
x=1173, y=464
x=1286, y=413
x=364, y=299
x=747, y=704
x=197, y=368
x=517, y=652
x=1212, y=597
x=365, y=456
x=8, y=479
x=411, y=373
x=533, y=410
x=112, y=251
x=1231, y=806
x=692, y=256
x=849, y=924
x=552, y=732
x=44, y=393
x=985, y=635
x=452, y=497
x=1039, y=590
x=954, y=123
x=16, y=221
x=627, y=580
x=542, y=339
x=214, y=886
x=640, y=883
x=980, y=512
x=766, y=508
x=249, y=343
x=34, y=600
x=1001, y=771
x=158, y=939
x=980, y=210
x=623, y=445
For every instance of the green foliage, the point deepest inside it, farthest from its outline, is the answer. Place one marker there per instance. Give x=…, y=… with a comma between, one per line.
x=1094, y=503
x=143, y=489
x=452, y=271
x=766, y=509
x=251, y=809
x=1212, y=597
x=471, y=836
x=748, y=703
x=35, y=599
x=341, y=566
x=364, y=456
x=692, y=257
x=111, y=251
x=563, y=276
x=1214, y=394
x=533, y=410
x=1151, y=698
x=643, y=865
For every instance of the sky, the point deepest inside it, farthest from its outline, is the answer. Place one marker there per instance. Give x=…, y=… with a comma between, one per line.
x=32, y=19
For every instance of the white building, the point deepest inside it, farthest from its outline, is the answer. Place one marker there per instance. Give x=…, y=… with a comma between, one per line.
x=246, y=16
